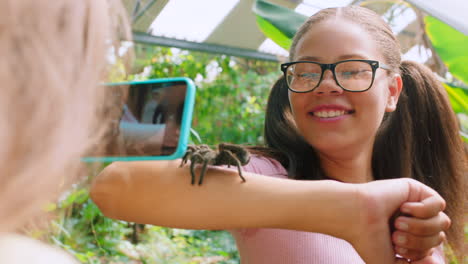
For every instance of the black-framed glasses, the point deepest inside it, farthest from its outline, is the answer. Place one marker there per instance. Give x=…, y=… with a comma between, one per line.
x=350, y=75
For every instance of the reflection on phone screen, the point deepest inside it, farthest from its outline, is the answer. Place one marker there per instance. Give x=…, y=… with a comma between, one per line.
x=150, y=119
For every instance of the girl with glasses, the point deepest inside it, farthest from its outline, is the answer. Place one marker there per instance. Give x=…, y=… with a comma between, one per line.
x=346, y=118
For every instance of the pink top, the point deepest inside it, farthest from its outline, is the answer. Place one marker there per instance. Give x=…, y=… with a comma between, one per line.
x=278, y=246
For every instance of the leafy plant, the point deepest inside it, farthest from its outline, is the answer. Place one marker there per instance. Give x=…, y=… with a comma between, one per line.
x=450, y=45
x=231, y=92
x=82, y=230
x=92, y=238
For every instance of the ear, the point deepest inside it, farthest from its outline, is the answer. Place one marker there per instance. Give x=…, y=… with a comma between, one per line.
x=394, y=88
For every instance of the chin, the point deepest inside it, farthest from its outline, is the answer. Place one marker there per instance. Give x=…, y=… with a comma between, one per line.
x=328, y=145
x=333, y=146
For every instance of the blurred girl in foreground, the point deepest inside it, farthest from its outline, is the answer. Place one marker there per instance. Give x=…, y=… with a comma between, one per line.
x=52, y=110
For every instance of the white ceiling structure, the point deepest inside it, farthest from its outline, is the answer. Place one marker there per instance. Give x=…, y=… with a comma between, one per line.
x=229, y=26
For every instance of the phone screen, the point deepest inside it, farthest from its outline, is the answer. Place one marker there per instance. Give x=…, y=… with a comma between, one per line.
x=152, y=122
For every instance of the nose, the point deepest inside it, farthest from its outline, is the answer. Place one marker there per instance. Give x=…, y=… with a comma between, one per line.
x=328, y=85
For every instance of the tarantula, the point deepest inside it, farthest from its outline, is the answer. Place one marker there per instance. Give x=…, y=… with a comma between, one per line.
x=226, y=154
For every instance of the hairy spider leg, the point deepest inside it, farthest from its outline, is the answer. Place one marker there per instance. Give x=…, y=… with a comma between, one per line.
x=186, y=157
x=202, y=173
x=234, y=158
x=192, y=168
x=195, y=158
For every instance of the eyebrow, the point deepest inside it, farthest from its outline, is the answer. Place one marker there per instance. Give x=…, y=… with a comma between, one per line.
x=343, y=57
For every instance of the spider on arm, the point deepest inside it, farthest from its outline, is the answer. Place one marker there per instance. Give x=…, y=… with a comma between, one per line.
x=226, y=154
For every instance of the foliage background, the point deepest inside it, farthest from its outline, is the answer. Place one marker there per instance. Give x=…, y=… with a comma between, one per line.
x=230, y=102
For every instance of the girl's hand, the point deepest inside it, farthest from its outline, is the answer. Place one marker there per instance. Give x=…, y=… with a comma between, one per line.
x=373, y=241
x=419, y=233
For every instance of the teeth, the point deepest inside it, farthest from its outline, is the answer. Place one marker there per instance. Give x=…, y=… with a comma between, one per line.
x=329, y=113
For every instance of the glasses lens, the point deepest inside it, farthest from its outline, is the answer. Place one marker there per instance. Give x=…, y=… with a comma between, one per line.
x=354, y=75
x=303, y=76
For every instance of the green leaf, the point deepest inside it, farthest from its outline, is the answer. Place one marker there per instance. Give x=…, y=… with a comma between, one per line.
x=458, y=97
x=450, y=45
x=273, y=33
x=278, y=23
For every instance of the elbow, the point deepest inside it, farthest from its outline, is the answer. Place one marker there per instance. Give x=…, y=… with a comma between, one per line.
x=107, y=187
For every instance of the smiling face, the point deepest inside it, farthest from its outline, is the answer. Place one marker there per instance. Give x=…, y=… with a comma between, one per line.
x=332, y=120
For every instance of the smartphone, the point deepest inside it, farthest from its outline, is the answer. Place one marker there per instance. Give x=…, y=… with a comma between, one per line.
x=152, y=121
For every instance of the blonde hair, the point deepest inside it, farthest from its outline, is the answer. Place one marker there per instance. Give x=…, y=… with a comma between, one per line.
x=53, y=56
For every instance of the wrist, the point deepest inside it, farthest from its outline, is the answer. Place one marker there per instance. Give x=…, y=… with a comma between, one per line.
x=328, y=207
x=346, y=201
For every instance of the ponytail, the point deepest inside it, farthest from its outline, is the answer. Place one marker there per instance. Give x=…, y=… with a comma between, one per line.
x=420, y=140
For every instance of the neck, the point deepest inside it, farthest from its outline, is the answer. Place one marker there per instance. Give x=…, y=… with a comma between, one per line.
x=352, y=168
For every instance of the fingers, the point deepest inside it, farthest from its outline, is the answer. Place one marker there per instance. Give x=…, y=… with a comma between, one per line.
x=425, y=260
x=418, y=235
x=427, y=208
x=418, y=243
x=413, y=254
x=423, y=227
x=428, y=260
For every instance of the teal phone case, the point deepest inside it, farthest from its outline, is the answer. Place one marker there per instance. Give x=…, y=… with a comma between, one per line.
x=184, y=129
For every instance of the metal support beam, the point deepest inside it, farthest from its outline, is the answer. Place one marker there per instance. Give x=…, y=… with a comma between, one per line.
x=204, y=47
x=139, y=12
x=136, y=8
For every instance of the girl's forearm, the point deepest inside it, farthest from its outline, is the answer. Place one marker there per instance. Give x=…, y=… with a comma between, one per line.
x=160, y=193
